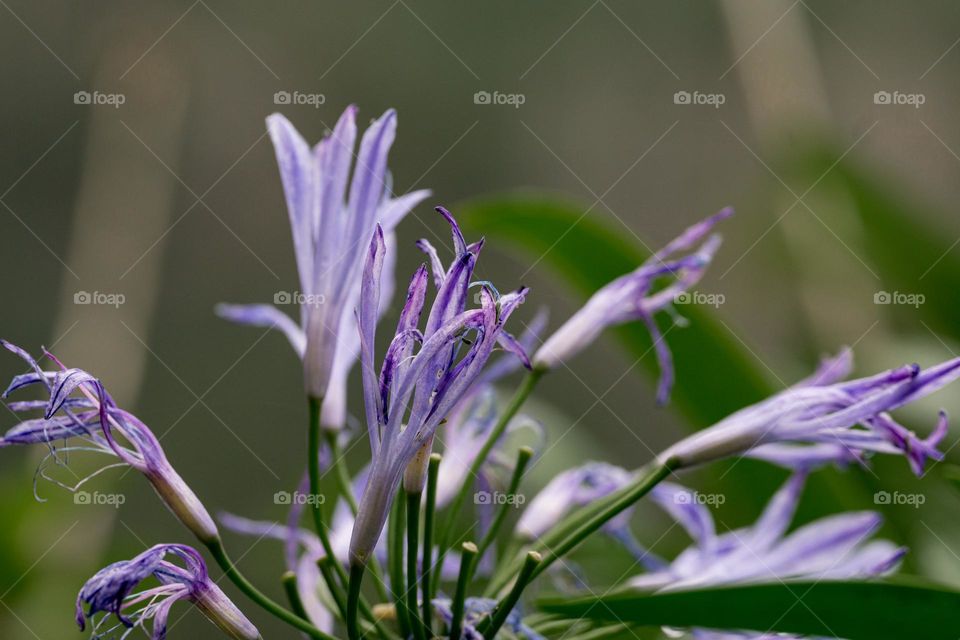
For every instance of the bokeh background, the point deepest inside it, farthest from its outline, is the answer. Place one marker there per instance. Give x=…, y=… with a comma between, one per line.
x=163, y=190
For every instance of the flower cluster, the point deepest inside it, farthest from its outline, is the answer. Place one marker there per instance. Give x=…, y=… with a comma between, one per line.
x=80, y=411
x=111, y=591
x=332, y=215
x=414, y=392
x=437, y=377
x=824, y=419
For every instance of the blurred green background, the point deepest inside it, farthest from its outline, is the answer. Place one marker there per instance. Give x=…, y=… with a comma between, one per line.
x=172, y=200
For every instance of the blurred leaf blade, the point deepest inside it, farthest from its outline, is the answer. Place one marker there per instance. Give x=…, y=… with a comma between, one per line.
x=911, y=254
x=889, y=610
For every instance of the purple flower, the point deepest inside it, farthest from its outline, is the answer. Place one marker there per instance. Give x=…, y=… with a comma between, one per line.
x=573, y=488
x=832, y=548
x=110, y=591
x=418, y=387
x=631, y=297
x=79, y=409
x=822, y=419
x=332, y=215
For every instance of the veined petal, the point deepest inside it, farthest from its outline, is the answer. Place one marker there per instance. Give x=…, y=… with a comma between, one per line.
x=681, y=504
x=459, y=244
x=832, y=369
x=778, y=514
x=334, y=156
x=299, y=177
x=369, y=177
x=64, y=384
x=44, y=430
x=367, y=322
x=822, y=544
x=436, y=266
x=393, y=210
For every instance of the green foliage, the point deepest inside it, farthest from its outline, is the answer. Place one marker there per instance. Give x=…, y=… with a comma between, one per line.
x=854, y=610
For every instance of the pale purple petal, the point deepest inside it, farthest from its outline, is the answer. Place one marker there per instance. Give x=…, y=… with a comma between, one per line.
x=265, y=315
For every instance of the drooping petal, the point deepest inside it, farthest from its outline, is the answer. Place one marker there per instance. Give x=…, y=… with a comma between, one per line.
x=629, y=297
x=369, y=178
x=367, y=322
x=265, y=315
x=395, y=209
x=65, y=383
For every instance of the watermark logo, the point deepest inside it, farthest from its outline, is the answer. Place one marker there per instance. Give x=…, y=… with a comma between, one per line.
x=287, y=498
x=914, y=500
x=98, y=98
x=898, y=98
x=698, y=98
x=302, y=299
x=96, y=498
x=897, y=297
x=512, y=99
x=695, y=497
x=698, y=297
x=99, y=298
x=498, y=497
x=314, y=100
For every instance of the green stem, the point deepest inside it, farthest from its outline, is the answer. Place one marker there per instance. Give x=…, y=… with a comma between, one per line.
x=340, y=470
x=413, y=545
x=433, y=469
x=468, y=553
x=353, y=601
x=635, y=491
x=395, y=565
x=313, y=471
x=220, y=555
x=523, y=392
x=313, y=468
x=523, y=458
x=345, y=487
x=326, y=570
x=289, y=580
x=491, y=625
x=578, y=525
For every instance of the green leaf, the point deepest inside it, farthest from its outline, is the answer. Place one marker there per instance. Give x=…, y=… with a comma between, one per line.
x=716, y=375
x=854, y=610
x=911, y=254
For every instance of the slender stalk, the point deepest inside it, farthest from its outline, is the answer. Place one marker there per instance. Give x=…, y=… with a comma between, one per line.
x=323, y=564
x=313, y=465
x=220, y=555
x=340, y=470
x=345, y=487
x=413, y=546
x=523, y=392
x=313, y=471
x=289, y=580
x=572, y=530
x=593, y=524
x=468, y=554
x=523, y=458
x=395, y=565
x=433, y=469
x=491, y=625
x=353, y=601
